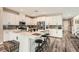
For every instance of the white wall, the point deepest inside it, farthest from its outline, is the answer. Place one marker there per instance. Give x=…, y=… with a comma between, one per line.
x=75, y=26
x=1, y=28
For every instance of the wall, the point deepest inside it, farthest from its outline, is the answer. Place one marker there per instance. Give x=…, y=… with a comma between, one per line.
x=1, y=29
x=75, y=26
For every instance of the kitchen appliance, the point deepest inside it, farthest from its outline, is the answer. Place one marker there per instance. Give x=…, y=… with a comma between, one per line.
x=22, y=25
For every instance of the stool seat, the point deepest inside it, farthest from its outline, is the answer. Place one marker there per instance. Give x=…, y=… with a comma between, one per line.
x=38, y=41
x=45, y=35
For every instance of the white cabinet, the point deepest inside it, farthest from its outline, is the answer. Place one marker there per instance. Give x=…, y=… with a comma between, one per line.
x=53, y=20
x=24, y=43
x=23, y=39
x=56, y=20
x=59, y=20
x=9, y=35
x=56, y=32
x=35, y=21
x=10, y=19
x=28, y=20
x=60, y=33
x=52, y=32
x=22, y=17
x=16, y=22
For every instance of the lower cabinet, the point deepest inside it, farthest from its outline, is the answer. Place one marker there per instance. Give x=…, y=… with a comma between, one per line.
x=56, y=32
x=27, y=43
x=24, y=43
x=9, y=35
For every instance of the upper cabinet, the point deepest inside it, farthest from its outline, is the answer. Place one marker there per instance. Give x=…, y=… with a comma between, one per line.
x=59, y=20
x=10, y=19
x=49, y=20
x=55, y=20
x=22, y=17
x=34, y=21
x=13, y=19
x=52, y=20
x=28, y=20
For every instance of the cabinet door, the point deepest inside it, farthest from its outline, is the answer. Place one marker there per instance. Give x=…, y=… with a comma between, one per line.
x=6, y=18
x=10, y=19
x=9, y=35
x=58, y=33
x=24, y=43
x=34, y=21
x=59, y=20
x=16, y=20
x=27, y=20
x=51, y=31
x=6, y=35
x=50, y=20
x=54, y=20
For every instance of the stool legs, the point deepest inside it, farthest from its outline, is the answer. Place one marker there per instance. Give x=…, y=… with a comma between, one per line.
x=46, y=44
x=39, y=47
x=43, y=46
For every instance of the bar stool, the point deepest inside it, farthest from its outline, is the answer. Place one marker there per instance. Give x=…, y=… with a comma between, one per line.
x=45, y=42
x=47, y=37
x=39, y=47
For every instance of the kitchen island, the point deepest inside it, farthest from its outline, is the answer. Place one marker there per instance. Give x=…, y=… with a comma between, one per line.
x=26, y=39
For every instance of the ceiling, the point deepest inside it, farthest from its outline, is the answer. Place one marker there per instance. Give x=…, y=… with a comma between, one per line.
x=67, y=12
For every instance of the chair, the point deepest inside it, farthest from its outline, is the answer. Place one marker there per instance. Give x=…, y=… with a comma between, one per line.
x=46, y=42
x=39, y=47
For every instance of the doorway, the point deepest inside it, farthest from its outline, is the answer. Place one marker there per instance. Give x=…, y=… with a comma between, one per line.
x=67, y=26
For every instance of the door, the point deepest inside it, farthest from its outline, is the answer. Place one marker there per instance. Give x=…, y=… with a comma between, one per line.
x=66, y=26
